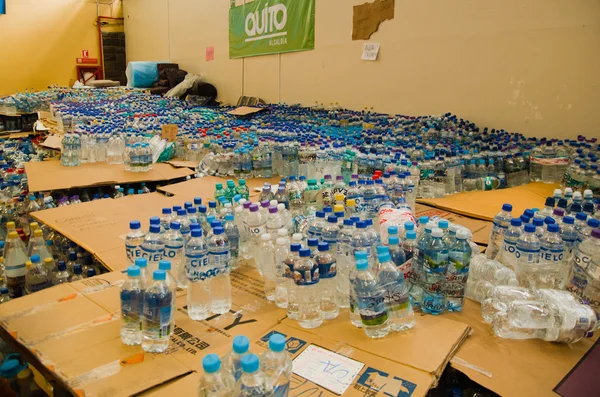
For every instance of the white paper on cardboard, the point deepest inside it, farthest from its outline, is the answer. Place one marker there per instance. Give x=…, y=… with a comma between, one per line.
x=370, y=51
x=327, y=369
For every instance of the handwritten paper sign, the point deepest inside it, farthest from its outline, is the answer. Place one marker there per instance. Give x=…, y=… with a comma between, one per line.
x=327, y=369
x=370, y=51
x=210, y=53
x=169, y=132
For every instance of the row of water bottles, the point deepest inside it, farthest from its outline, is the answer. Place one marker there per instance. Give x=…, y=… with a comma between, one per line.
x=241, y=373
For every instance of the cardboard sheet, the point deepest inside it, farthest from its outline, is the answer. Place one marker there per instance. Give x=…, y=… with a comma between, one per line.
x=512, y=367
x=51, y=175
x=52, y=142
x=367, y=18
x=481, y=229
x=244, y=111
x=485, y=205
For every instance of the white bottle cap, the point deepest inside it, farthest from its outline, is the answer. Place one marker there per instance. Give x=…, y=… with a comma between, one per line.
x=568, y=191
x=588, y=193
x=242, y=201
x=437, y=232
x=557, y=193
x=453, y=227
x=239, y=209
x=297, y=236
x=577, y=195
x=273, y=202
x=281, y=241
x=280, y=207
x=462, y=234
x=265, y=237
x=283, y=232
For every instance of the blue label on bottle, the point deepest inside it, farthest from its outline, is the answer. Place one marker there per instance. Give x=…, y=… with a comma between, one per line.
x=327, y=270
x=172, y=251
x=306, y=276
x=196, y=267
x=372, y=309
x=131, y=305
x=152, y=255
x=433, y=303
x=551, y=255
x=133, y=252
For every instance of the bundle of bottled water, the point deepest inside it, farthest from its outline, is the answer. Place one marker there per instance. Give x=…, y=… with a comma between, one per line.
x=548, y=314
x=48, y=259
x=241, y=373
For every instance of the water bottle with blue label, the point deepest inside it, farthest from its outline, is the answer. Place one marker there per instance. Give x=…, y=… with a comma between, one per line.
x=252, y=381
x=528, y=257
x=132, y=301
x=219, y=257
x=175, y=252
x=276, y=365
x=134, y=240
x=157, y=312
x=459, y=259
x=216, y=382
x=369, y=298
x=435, y=266
x=197, y=268
x=397, y=299
x=153, y=248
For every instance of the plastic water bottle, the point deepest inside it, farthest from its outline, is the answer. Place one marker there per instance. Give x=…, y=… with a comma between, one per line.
x=256, y=225
x=499, y=226
x=216, y=382
x=15, y=269
x=157, y=312
x=134, y=240
x=62, y=276
x=330, y=232
x=153, y=248
x=499, y=299
x=552, y=271
x=397, y=299
x=276, y=366
x=292, y=289
x=232, y=361
x=508, y=255
x=528, y=257
x=306, y=278
x=459, y=258
x=281, y=253
x=175, y=252
x=145, y=277
x=435, y=266
x=397, y=253
x=315, y=225
x=132, y=302
x=197, y=269
x=327, y=265
x=233, y=235
x=165, y=265
x=36, y=278
x=219, y=262
x=583, y=266
x=252, y=381
x=266, y=261
x=361, y=241
x=370, y=301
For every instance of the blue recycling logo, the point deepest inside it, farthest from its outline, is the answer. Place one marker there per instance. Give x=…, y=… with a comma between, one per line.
x=382, y=382
x=268, y=336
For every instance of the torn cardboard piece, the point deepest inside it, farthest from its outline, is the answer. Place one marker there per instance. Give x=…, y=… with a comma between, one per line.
x=479, y=228
x=367, y=17
x=52, y=142
x=244, y=111
x=51, y=175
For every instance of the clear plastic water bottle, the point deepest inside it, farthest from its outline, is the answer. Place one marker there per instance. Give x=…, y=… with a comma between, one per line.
x=219, y=261
x=256, y=225
x=233, y=235
x=266, y=262
x=397, y=299
x=370, y=301
x=330, y=232
x=276, y=366
x=197, y=269
x=232, y=361
x=132, y=302
x=397, y=253
x=62, y=276
x=175, y=253
x=552, y=271
x=508, y=255
x=145, y=276
x=15, y=269
x=36, y=278
x=528, y=257
x=216, y=382
x=459, y=258
x=327, y=265
x=499, y=226
x=361, y=241
x=584, y=270
x=435, y=266
x=499, y=298
x=153, y=248
x=165, y=265
x=281, y=253
x=315, y=225
x=156, y=320
x=252, y=381
x=292, y=289
x=306, y=278
x=134, y=240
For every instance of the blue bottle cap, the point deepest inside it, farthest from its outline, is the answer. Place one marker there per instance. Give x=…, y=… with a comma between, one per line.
x=154, y=228
x=212, y=204
x=277, y=343
x=72, y=256
x=215, y=223
x=217, y=230
x=133, y=271
x=593, y=223
x=423, y=220
x=568, y=220
x=537, y=222
x=166, y=211
x=159, y=275
x=250, y=363
x=197, y=200
x=323, y=247
x=384, y=257
x=192, y=210
x=141, y=262
x=91, y=272
x=553, y=228
x=507, y=207
x=304, y=252
x=241, y=344
x=516, y=222
x=368, y=222
x=313, y=242
x=175, y=225
x=164, y=265
x=134, y=225
x=361, y=225
x=409, y=226
x=581, y=216
x=211, y=363
x=394, y=239
x=62, y=265
x=187, y=204
x=443, y=224
x=155, y=220
x=202, y=209
x=36, y=258
x=348, y=222
x=295, y=247
x=181, y=212
x=362, y=264
x=360, y=255
x=332, y=219
x=392, y=229
x=229, y=217
x=382, y=249
x=529, y=213
x=196, y=232
x=529, y=228
x=327, y=210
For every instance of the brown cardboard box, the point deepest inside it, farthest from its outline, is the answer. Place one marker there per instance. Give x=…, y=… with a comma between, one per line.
x=485, y=205
x=180, y=387
x=481, y=229
x=513, y=367
x=51, y=175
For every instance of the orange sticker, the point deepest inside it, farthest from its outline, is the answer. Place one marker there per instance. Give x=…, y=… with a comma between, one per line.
x=135, y=359
x=13, y=334
x=68, y=297
x=80, y=393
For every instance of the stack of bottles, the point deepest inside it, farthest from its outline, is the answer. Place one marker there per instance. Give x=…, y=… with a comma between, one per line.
x=548, y=314
x=241, y=373
x=42, y=263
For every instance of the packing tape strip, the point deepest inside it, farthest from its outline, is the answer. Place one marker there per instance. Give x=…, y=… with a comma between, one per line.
x=460, y=361
x=37, y=308
x=98, y=373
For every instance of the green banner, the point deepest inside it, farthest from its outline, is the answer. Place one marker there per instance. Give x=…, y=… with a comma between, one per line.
x=271, y=27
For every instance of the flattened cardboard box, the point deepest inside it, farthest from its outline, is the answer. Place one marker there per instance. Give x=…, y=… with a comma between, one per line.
x=479, y=228
x=513, y=367
x=51, y=175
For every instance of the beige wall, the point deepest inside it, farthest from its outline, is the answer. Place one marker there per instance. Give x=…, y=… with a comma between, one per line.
x=40, y=39
x=531, y=66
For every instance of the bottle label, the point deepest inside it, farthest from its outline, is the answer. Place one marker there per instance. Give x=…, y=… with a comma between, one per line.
x=593, y=271
x=312, y=198
x=529, y=256
x=436, y=261
x=157, y=313
x=459, y=261
x=372, y=309
x=35, y=287
x=578, y=281
x=454, y=287
x=152, y=255
x=433, y=303
x=16, y=286
x=220, y=262
x=165, y=321
x=307, y=277
x=173, y=251
x=510, y=247
x=396, y=299
x=406, y=269
x=582, y=260
x=196, y=267
x=551, y=255
x=131, y=306
x=133, y=252
x=327, y=270
x=257, y=230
